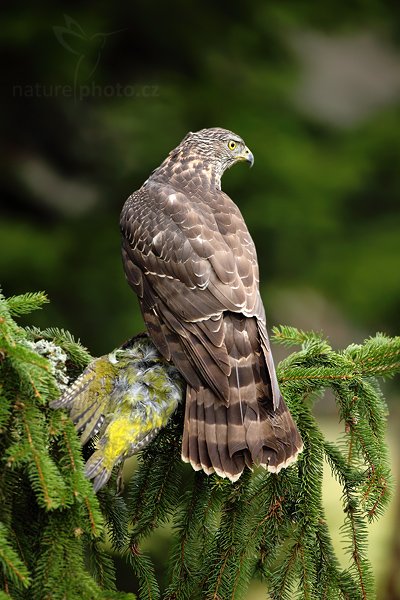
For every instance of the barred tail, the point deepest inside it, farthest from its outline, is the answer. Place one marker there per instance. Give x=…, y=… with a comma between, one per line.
x=247, y=431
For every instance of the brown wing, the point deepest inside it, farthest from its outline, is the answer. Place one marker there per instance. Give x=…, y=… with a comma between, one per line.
x=189, y=261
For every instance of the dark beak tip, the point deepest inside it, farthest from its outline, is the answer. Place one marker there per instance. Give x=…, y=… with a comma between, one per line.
x=250, y=159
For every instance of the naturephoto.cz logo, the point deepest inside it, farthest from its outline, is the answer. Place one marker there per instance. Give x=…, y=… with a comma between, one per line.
x=86, y=51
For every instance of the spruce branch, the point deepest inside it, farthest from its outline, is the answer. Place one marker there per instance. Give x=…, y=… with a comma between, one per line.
x=268, y=526
x=13, y=567
x=49, y=513
x=185, y=562
x=26, y=303
x=290, y=336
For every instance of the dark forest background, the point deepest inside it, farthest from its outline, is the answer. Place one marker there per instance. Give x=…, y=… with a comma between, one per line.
x=95, y=95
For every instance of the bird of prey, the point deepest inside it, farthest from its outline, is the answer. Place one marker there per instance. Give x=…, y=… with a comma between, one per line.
x=188, y=255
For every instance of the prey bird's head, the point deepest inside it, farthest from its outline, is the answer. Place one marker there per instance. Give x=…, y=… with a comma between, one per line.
x=218, y=145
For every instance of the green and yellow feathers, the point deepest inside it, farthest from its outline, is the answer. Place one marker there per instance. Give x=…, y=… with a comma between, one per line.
x=122, y=399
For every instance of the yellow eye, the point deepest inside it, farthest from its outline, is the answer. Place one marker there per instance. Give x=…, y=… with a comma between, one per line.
x=232, y=145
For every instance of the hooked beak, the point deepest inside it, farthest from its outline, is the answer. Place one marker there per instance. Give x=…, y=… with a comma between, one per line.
x=248, y=156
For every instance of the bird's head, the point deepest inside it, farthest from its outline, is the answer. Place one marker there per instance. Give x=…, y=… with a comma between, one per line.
x=220, y=145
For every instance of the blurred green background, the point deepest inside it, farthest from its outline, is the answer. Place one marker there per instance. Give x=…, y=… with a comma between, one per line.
x=94, y=97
